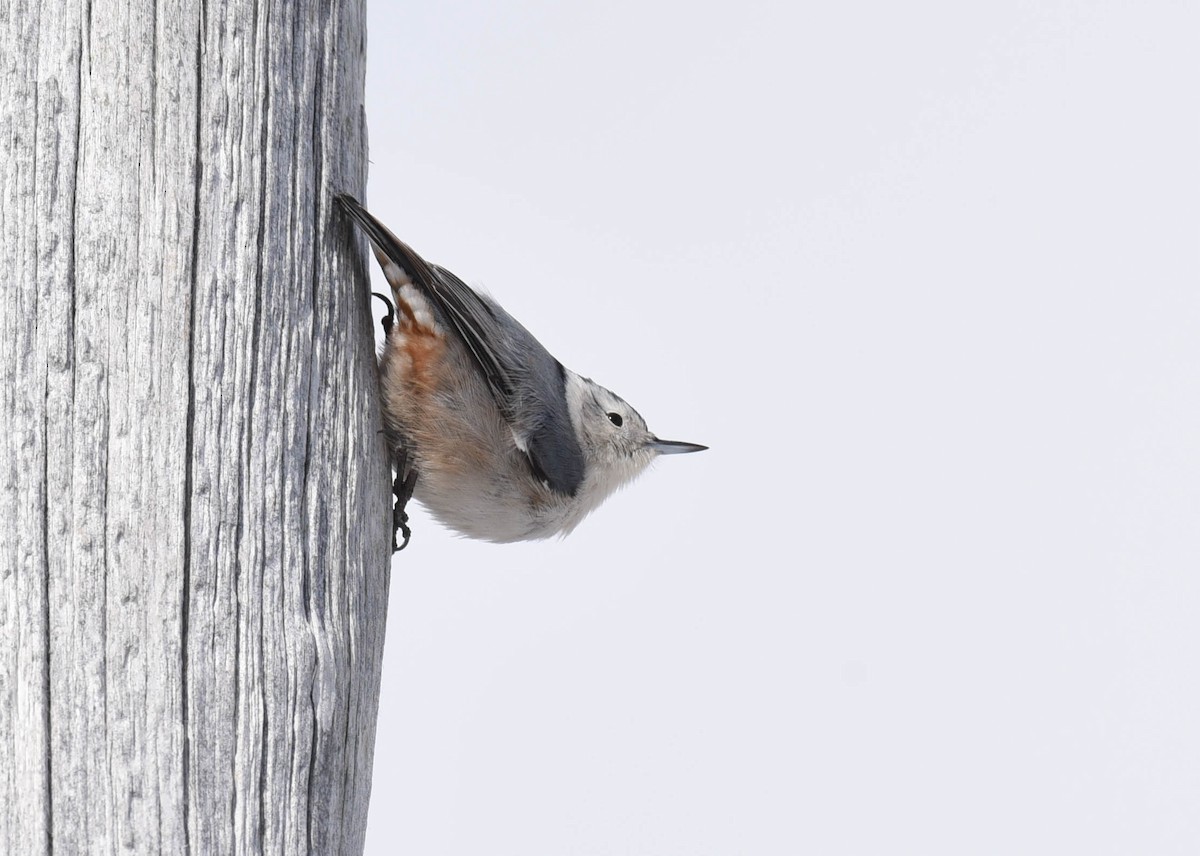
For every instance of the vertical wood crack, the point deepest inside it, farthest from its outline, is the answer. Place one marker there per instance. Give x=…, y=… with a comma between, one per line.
x=186, y=583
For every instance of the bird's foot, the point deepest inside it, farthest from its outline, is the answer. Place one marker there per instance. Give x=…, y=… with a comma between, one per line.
x=388, y=320
x=402, y=489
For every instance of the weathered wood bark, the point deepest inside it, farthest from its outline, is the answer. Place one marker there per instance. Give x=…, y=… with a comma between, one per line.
x=194, y=514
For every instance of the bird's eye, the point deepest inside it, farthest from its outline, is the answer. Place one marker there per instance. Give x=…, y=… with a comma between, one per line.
x=615, y=419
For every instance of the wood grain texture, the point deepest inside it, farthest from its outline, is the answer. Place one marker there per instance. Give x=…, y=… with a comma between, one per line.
x=194, y=496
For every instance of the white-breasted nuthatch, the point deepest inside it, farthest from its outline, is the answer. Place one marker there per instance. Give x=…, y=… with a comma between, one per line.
x=490, y=432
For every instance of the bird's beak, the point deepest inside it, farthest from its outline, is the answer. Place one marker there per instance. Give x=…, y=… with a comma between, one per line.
x=674, y=447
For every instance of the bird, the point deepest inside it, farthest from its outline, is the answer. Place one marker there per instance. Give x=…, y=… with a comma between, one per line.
x=493, y=435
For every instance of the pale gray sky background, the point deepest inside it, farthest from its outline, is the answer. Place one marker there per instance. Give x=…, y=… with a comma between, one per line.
x=926, y=277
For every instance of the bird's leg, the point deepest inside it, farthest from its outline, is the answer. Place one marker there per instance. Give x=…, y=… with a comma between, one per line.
x=402, y=490
x=388, y=320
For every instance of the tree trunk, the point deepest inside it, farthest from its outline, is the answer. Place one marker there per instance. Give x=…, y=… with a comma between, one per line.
x=194, y=496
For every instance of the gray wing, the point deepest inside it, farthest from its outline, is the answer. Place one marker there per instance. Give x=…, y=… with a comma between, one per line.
x=526, y=382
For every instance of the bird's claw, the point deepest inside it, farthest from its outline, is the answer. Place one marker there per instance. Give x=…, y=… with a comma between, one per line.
x=402, y=489
x=388, y=320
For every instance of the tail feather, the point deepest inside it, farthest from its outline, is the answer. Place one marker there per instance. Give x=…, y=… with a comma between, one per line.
x=389, y=248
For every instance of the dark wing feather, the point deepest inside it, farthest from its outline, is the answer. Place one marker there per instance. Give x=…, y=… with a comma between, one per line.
x=459, y=304
x=526, y=382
